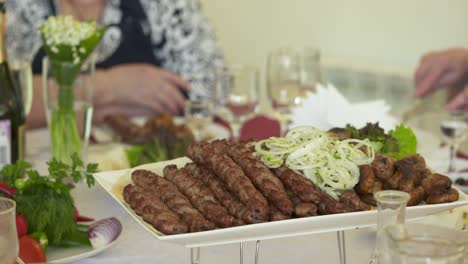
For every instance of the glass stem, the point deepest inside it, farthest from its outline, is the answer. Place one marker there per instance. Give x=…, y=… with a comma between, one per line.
x=236, y=127
x=453, y=153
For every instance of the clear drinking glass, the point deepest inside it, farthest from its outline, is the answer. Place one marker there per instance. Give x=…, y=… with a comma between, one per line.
x=391, y=206
x=241, y=85
x=198, y=115
x=69, y=106
x=284, y=83
x=423, y=244
x=8, y=235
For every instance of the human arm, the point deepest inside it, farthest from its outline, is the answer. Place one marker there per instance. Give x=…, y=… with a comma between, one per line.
x=128, y=89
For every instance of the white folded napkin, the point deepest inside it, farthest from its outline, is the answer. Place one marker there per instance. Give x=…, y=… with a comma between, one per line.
x=328, y=108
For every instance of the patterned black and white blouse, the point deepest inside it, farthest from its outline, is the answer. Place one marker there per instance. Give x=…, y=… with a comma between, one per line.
x=172, y=34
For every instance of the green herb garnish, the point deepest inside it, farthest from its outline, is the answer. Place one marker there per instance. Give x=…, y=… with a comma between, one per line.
x=398, y=143
x=46, y=201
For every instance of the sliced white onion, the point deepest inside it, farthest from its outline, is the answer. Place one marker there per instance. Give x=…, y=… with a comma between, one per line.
x=333, y=165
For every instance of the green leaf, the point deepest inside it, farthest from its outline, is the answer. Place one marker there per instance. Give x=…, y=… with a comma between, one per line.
x=407, y=141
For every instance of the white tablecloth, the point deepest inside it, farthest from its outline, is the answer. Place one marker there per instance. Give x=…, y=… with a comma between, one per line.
x=136, y=245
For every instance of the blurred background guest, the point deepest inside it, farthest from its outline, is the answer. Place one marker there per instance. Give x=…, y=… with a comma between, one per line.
x=444, y=69
x=153, y=54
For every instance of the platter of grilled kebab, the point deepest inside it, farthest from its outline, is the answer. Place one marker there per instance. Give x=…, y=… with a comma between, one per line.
x=309, y=181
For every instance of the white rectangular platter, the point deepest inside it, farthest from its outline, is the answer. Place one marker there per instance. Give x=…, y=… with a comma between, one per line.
x=114, y=181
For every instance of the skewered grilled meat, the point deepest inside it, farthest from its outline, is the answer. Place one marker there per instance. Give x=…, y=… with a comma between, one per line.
x=443, y=197
x=416, y=196
x=265, y=181
x=226, y=198
x=351, y=198
x=304, y=188
x=277, y=215
x=413, y=167
x=383, y=167
x=366, y=180
x=173, y=198
x=435, y=183
x=393, y=183
x=213, y=156
x=127, y=130
x=153, y=210
x=305, y=210
x=201, y=197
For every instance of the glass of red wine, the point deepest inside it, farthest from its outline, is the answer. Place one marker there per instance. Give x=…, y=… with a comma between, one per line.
x=239, y=86
x=284, y=83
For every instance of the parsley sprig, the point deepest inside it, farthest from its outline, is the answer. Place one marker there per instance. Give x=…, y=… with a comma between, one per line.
x=46, y=201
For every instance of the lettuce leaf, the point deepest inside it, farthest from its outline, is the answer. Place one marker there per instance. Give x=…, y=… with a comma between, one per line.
x=406, y=139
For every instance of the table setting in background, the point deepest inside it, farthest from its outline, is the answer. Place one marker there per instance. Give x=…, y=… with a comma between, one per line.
x=314, y=176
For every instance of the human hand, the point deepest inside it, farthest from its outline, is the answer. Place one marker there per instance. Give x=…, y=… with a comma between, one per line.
x=441, y=69
x=145, y=88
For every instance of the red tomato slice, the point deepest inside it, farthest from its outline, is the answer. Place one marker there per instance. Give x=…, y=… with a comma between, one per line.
x=30, y=251
x=21, y=225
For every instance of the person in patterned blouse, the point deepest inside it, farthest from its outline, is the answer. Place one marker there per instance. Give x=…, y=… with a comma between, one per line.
x=153, y=54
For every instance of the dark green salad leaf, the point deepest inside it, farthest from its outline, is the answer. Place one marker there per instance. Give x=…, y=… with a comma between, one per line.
x=398, y=143
x=46, y=201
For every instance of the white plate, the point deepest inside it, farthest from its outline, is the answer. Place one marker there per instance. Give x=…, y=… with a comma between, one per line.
x=114, y=181
x=70, y=255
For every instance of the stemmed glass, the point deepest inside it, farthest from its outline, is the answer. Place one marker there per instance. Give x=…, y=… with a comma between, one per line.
x=21, y=72
x=284, y=83
x=240, y=83
x=8, y=235
x=453, y=128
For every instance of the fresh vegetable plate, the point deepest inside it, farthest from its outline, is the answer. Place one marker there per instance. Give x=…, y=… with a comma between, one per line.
x=114, y=181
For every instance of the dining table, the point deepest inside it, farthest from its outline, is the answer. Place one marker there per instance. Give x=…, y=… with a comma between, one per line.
x=137, y=245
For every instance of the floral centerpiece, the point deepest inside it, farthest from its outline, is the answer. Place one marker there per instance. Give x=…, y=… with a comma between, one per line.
x=68, y=44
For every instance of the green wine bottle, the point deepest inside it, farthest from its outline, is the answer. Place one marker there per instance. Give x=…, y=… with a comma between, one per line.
x=11, y=106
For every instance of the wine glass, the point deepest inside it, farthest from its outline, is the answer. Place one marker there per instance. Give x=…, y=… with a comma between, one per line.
x=8, y=236
x=240, y=83
x=453, y=128
x=198, y=115
x=284, y=83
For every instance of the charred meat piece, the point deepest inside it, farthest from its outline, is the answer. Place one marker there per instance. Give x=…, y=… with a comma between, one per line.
x=226, y=198
x=435, y=183
x=448, y=196
x=406, y=185
x=383, y=166
x=304, y=188
x=339, y=133
x=366, y=180
x=305, y=210
x=127, y=130
x=368, y=199
x=351, y=198
x=173, y=198
x=154, y=211
x=328, y=205
x=277, y=215
x=212, y=156
x=200, y=196
x=378, y=186
x=416, y=196
x=393, y=183
x=412, y=167
x=265, y=181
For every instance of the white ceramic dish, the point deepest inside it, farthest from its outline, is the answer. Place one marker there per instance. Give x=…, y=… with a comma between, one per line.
x=70, y=255
x=114, y=181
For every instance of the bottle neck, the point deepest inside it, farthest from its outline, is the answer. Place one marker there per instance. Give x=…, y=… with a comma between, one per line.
x=3, y=26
